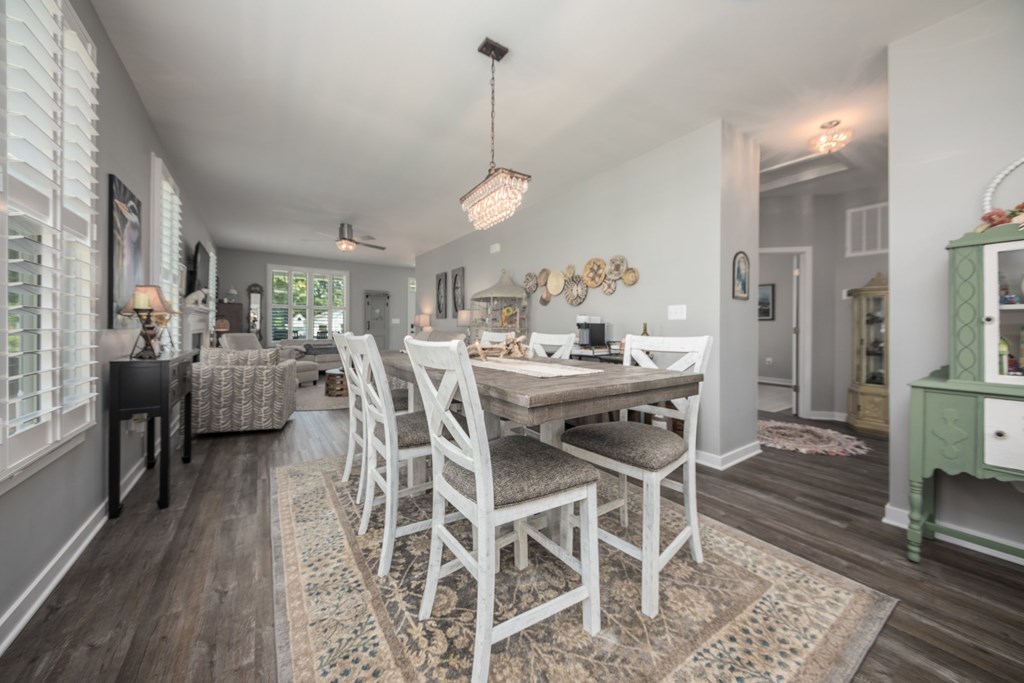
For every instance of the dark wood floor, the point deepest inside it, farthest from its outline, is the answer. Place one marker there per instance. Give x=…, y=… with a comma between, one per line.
x=186, y=593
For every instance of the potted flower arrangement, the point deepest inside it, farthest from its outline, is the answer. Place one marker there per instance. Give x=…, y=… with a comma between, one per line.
x=991, y=219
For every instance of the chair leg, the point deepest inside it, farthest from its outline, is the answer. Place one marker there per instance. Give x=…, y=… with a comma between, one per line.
x=651, y=545
x=691, y=512
x=369, y=490
x=484, y=605
x=520, y=546
x=351, y=453
x=390, y=521
x=565, y=527
x=588, y=562
x=624, y=510
x=434, y=564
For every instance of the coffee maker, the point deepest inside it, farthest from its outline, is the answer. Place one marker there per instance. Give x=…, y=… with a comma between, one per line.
x=590, y=330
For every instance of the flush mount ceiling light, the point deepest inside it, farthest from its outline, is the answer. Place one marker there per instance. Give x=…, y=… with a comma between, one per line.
x=831, y=138
x=498, y=195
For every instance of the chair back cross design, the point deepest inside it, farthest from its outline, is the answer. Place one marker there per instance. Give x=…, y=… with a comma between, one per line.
x=562, y=343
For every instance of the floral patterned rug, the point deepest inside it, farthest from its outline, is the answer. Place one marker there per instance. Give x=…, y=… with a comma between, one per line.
x=750, y=612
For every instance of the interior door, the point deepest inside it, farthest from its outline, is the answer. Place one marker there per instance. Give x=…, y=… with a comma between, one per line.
x=377, y=314
x=796, y=335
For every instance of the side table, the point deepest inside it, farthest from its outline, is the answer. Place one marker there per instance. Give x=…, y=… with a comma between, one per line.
x=335, y=383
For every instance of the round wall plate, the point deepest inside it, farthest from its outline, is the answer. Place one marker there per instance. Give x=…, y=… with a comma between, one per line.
x=608, y=287
x=569, y=271
x=594, y=272
x=630, y=277
x=575, y=290
x=542, y=277
x=616, y=267
x=545, y=298
x=556, y=281
x=530, y=283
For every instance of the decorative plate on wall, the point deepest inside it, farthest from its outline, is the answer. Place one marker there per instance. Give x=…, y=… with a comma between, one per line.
x=608, y=287
x=542, y=277
x=594, y=272
x=569, y=271
x=545, y=298
x=630, y=277
x=575, y=290
x=616, y=267
x=556, y=281
x=530, y=283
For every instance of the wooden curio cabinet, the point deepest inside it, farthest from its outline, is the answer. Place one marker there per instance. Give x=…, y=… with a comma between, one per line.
x=867, y=403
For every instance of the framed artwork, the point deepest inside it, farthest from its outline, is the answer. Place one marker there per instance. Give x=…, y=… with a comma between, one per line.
x=125, y=263
x=441, y=296
x=766, y=302
x=741, y=276
x=458, y=291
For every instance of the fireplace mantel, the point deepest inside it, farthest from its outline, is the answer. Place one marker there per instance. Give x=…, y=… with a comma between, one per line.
x=195, y=320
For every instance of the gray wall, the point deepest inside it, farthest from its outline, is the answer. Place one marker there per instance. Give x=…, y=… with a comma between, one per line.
x=954, y=106
x=666, y=212
x=775, y=337
x=46, y=510
x=819, y=221
x=239, y=269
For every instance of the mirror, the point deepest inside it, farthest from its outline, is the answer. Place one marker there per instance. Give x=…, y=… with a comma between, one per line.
x=255, y=309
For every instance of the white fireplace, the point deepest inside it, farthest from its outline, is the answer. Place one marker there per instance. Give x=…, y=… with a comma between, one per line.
x=195, y=320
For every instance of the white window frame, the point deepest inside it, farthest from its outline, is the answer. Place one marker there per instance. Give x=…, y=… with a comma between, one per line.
x=860, y=220
x=309, y=307
x=67, y=315
x=166, y=254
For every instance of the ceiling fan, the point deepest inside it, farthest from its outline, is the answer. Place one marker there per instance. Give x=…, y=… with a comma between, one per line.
x=346, y=240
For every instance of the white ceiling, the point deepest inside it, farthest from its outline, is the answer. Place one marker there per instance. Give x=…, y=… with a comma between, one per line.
x=283, y=118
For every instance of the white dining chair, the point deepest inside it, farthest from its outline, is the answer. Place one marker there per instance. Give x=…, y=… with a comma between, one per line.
x=650, y=454
x=395, y=439
x=561, y=345
x=356, y=447
x=494, y=483
x=492, y=337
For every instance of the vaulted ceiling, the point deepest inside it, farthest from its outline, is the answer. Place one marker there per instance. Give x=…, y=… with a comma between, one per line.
x=283, y=118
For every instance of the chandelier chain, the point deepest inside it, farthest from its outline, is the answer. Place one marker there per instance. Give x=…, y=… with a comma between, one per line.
x=493, y=63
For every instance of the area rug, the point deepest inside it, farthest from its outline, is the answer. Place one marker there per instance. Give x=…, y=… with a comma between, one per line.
x=311, y=397
x=750, y=612
x=791, y=436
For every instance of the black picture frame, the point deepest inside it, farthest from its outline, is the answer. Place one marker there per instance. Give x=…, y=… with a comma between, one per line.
x=441, y=296
x=125, y=264
x=741, y=276
x=458, y=291
x=766, y=302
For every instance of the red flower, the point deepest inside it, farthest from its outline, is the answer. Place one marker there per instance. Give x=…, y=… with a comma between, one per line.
x=996, y=217
x=1019, y=207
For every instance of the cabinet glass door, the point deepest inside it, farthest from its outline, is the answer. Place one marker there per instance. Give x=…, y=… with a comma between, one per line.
x=874, y=340
x=1004, y=313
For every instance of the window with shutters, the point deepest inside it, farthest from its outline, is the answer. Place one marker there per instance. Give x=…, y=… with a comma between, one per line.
x=306, y=304
x=166, y=241
x=49, y=200
x=867, y=230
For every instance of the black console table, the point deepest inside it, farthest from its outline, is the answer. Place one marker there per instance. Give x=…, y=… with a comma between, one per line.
x=151, y=387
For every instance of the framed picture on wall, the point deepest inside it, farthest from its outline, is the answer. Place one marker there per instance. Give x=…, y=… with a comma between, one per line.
x=766, y=302
x=741, y=276
x=441, y=296
x=458, y=291
x=125, y=263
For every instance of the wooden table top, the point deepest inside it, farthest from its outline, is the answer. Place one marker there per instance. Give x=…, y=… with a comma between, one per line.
x=536, y=400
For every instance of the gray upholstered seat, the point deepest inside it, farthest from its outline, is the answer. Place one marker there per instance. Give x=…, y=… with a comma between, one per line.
x=412, y=429
x=632, y=443
x=523, y=469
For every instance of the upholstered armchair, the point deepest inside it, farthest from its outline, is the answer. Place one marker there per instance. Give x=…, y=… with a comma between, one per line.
x=240, y=391
x=305, y=370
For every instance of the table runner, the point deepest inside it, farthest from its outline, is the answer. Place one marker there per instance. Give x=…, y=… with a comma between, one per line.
x=524, y=367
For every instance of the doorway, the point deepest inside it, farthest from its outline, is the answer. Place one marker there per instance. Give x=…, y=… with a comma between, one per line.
x=377, y=314
x=784, y=349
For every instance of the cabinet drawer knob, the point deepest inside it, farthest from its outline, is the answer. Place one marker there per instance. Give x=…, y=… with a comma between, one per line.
x=1000, y=434
x=989, y=319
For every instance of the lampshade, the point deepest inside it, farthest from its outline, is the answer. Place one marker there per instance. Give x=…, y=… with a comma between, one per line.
x=423, y=320
x=465, y=317
x=146, y=298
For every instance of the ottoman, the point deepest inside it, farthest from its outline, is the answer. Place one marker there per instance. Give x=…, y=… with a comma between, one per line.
x=307, y=371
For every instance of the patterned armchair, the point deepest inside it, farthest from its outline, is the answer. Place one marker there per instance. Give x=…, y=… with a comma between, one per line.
x=240, y=391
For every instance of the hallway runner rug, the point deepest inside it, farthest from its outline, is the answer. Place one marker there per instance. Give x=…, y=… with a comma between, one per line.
x=749, y=612
x=792, y=436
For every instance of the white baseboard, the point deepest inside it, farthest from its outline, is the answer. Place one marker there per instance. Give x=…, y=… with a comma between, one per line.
x=14, y=620
x=899, y=517
x=775, y=380
x=727, y=460
x=825, y=415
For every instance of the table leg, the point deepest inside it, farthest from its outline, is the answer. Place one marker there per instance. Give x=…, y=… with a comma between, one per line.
x=150, y=443
x=412, y=397
x=186, y=447
x=916, y=521
x=551, y=434
x=165, y=461
x=114, y=467
x=492, y=423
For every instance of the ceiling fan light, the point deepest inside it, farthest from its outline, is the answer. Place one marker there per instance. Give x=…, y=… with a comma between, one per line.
x=346, y=245
x=830, y=140
x=495, y=198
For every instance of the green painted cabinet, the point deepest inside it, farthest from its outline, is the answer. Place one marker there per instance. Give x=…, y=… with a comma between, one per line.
x=968, y=418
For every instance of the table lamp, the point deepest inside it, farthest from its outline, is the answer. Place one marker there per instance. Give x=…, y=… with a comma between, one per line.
x=423, y=321
x=146, y=302
x=465, y=319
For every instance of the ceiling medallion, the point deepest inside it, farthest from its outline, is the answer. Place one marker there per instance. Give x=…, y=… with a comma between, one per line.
x=830, y=139
x=498, y=195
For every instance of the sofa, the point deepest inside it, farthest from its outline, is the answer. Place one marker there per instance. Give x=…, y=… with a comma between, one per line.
x=241, y=391
x=305, y=371
x=323, y=352
x=437, y=335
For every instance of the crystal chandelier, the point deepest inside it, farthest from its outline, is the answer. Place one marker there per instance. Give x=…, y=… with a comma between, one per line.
x=498, y=195
x=830, y=139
